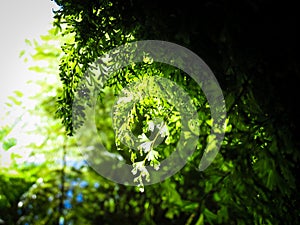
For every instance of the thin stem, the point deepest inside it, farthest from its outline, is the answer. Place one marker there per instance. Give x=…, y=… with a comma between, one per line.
x=62, y=189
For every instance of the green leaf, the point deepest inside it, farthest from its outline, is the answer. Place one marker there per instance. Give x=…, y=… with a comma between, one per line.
x=14, y=100
x=18, y=93
x=22, y=53
x=209, y=215
x=28, y=42
x=200, y=221
x=7, y=144
x=190, y=207
x=4, y=132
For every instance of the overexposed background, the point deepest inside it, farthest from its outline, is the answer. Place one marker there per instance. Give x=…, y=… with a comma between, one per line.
x=20, y=20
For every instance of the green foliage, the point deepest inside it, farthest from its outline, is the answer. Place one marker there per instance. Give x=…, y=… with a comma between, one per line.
x=253, y=180
x=13, y=184
x=7, y=142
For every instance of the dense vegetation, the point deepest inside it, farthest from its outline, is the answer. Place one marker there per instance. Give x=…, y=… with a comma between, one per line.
x=253, y=179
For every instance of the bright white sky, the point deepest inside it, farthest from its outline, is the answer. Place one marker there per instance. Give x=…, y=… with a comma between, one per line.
x=19, y=20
